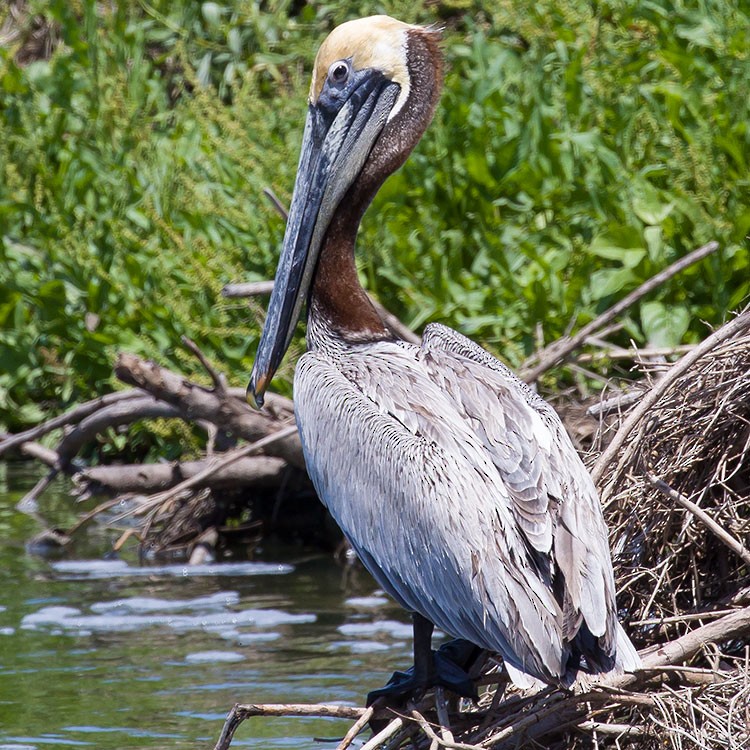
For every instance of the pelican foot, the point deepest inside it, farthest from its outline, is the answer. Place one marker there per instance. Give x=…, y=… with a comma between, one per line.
x=449, y=663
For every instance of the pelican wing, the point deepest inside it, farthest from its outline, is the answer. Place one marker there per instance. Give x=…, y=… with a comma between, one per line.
x=553, y=497
x=412, y=485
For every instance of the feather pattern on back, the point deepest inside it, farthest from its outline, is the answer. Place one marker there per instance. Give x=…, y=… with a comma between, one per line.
x=463, y=495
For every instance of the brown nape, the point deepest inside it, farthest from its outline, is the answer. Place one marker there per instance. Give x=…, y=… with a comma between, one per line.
x=337, y=294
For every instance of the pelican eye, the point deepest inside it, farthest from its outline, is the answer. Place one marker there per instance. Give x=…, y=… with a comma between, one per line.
x=339, y=72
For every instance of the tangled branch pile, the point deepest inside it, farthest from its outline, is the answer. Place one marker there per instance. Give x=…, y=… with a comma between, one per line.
x=696, y=441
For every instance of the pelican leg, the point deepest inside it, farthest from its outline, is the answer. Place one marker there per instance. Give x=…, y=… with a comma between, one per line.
x=445, y=667
x=424, y=660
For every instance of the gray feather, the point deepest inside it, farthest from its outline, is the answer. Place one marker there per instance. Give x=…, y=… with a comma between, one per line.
x=462, y=494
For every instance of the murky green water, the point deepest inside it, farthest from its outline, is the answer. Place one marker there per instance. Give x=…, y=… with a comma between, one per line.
x=107, y=654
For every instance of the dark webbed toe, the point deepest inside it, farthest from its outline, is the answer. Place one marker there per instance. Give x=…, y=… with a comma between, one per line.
x=448, y=670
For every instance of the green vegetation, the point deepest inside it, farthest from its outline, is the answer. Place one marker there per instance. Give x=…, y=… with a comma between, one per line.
x=578, y=148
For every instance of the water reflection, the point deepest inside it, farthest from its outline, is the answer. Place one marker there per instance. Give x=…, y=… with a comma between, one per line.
x=108, y=654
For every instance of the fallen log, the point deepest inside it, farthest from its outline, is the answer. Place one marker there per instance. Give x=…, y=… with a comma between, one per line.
x=258, y=471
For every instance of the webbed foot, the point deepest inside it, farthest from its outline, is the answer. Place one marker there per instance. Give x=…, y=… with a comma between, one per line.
x=448, y=670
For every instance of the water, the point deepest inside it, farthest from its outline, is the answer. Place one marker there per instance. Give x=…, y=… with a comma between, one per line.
x=104, y=654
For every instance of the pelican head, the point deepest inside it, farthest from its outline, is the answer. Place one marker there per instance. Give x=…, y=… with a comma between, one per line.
x=374, y=88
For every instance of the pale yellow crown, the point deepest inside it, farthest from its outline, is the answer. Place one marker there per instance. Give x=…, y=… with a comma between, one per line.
x=377, y=42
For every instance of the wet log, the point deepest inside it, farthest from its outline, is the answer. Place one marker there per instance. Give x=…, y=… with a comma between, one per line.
x=258, y=471
x=225, y=408
x=114, y=415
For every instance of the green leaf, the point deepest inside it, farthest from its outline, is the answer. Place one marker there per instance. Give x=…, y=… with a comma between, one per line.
x=609, y=281
x=664, y=326
x=611, y=245
x=649, y=206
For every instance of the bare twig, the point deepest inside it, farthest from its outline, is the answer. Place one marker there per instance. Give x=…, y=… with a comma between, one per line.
x=618, y=730
x=441, y=708
x=355, y=729
x=276, y=203
x=687, y=617
x=377, y=740
x=72, y=416
x=634, y=353
x=247, y=289
x=114, y=415
x=560, y=349
x=734, y=544
x=243, y=711
x=217, y=378
x=441, y=741
x=38, y=451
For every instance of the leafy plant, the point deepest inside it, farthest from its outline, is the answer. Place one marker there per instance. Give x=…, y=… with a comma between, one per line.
x=578, y=148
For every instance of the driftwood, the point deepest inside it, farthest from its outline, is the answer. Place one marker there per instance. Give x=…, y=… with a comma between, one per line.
x=252, y=471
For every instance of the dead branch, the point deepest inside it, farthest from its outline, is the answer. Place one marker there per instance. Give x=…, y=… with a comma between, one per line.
x=276, y=203
x=247, y=289
x=34, y=450
x=212, y=467
x=717, y=529
x=242, y=711
x=120, y=413
x=355, y=729
x=558, y=350
x=385, y=734
x=226, y=410
x=72, y=416
x=124, y=410
x=217, y=378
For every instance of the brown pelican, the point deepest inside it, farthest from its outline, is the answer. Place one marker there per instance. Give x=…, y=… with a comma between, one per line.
x=456, y=484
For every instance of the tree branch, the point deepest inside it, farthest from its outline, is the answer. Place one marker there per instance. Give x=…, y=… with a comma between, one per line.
x=225, y=410
x=258, y=471
x=558, y=350
x=72, y=416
